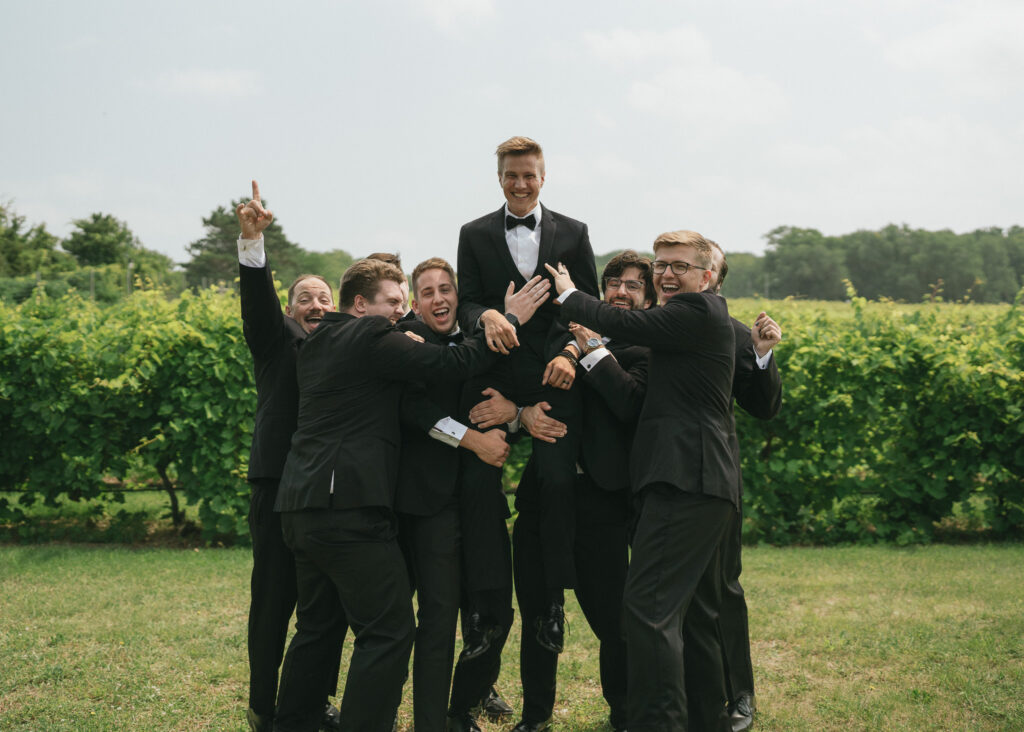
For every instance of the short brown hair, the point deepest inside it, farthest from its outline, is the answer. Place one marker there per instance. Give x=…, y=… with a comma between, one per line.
x=686, y=238
x=395, y=259
x=300, y=278
x=364, y=278
x=723, y=271
x=629, y=258
x=519, y=146
x=432, y=263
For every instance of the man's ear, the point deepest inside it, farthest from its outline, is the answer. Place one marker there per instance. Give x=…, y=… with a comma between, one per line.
x=359, y=304
x=288, y=310
x=415, y=307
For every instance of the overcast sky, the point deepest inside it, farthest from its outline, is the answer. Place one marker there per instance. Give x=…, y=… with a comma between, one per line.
x=372, y=125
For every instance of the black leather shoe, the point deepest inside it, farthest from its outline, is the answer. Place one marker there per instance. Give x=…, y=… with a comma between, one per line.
x=525, y=726
x=495, y=708
x=741, y=712
x=551, y=629
x=259, y=722
x=477, y=637
x=332, y=719
x=462, y=723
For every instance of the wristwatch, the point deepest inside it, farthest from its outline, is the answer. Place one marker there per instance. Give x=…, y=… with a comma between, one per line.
x=592, y=344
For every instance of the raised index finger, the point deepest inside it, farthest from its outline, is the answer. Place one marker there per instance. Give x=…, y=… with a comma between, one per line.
x=256, y=191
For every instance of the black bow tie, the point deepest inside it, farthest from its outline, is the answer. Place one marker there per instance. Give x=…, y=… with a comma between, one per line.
x=454, y=339
x=512, y=222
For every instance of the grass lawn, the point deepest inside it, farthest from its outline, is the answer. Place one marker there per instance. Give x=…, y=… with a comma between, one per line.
x=875, y=638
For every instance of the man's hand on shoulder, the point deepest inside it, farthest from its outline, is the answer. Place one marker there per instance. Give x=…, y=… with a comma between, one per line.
x=252, y=217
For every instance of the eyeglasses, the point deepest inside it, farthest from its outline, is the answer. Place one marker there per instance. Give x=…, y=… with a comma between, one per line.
x=631, y=285
x=680, y=268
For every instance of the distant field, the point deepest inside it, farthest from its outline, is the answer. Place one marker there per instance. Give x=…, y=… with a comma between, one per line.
x=117, y=638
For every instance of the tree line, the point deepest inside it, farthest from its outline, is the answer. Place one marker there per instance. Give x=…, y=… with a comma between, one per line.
x=105, y=260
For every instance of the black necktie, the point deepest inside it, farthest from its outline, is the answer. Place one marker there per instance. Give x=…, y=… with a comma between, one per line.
x=512, y=222
x=453, y=339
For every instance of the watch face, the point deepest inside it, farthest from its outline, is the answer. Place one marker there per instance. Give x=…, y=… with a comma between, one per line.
x=593, y=343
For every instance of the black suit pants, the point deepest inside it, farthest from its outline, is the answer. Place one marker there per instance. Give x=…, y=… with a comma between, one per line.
x=272, y=596
x=733, y=623
x=349, y=569
x=431, y=546
x=602, y=558
x=676, y=678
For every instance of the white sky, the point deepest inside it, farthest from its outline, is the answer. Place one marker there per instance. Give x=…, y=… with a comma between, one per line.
x=372, y=125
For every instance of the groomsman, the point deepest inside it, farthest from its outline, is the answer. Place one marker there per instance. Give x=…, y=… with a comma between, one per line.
x=614, y=376
x=757, y=388
x=685, y=467
x=273, y=339
x=427, y=500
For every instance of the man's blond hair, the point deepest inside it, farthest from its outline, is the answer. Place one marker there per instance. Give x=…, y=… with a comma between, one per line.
x=519, y=146
x=686, y=238
x=432, y=263
x=364, y=278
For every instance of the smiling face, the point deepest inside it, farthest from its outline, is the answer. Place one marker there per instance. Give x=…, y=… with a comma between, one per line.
x=388, y=302
x=311, y=298
x=521, y=178
x=621, y=296
x=436, y=300
x=668, y=283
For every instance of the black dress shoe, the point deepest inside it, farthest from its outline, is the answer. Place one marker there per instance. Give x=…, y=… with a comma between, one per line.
x=462, y=723
x=495, y=708
x=525, y=726
x=332, y=719
x=741, y=712
x=259, y=722
x=477, y=637
x=551, y=629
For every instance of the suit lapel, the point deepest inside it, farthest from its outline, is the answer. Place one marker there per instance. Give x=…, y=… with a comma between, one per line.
x=500, y=245
x=547, y=240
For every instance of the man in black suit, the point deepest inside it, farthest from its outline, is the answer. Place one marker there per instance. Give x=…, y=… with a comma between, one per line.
x=426, y=502
x=273, y=339
x=337, y=494
x=684, y=467
x=613, y=375
x=757, y=388
x=511, y=245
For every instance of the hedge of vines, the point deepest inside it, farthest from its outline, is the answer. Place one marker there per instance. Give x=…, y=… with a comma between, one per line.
x=895, y=418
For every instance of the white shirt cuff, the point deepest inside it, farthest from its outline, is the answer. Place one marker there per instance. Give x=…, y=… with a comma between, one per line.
x=561, y=298
x=762, y=361
x=594, y=357
x=251, y=253
x=448, y=431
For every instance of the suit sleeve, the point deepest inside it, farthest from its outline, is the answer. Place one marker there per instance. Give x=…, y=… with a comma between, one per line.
x=419, y=412
x=262, y=319
x=471, y=293
x=758, y=391
x=680, y=325
x=398, y=357
x=623, y=389
x=584, y=275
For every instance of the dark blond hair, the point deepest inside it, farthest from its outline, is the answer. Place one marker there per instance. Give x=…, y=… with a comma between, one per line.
x=364, y=278
x=519, y=146
x=686, y=238
x=432, y=263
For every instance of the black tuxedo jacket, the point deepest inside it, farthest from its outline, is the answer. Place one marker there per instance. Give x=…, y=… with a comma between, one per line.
x=686, y=435
x=613, y=396
x=485, y=268
x=428, y=471
x=344, y=452
x=273, y=340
